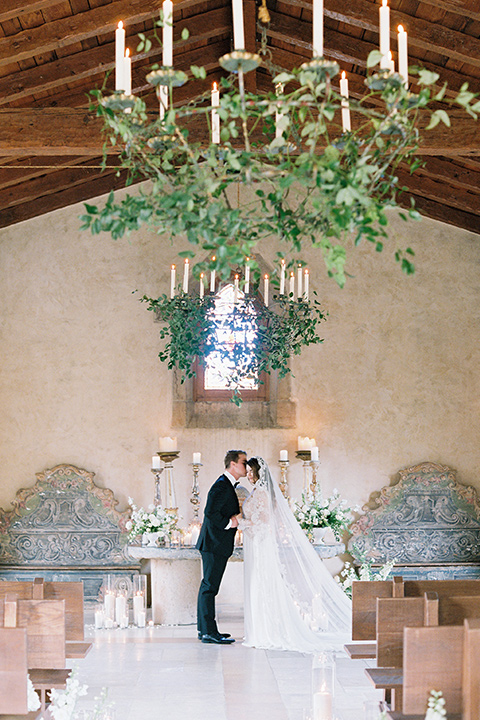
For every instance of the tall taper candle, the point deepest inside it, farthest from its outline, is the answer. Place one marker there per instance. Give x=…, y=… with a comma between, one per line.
x=167, y=34
x=384, y=13
x=306, y=284
x=238, y=28
x=265, y=289
x=202, y=289
x=403, y=54
x=317, y=28
x=345, y=108
x=172, y=281
x=163, y=100
x=299, y=281
x=291, y=289
x=247, y=276
x=215, y=115
x=185, y=275
x=235, y=290
x=119, y=56
x=127, y=69
x=212, y=278
x=282, y=277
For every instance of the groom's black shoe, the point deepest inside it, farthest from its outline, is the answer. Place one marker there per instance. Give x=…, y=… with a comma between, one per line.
x=218, y=639
x=223, y=635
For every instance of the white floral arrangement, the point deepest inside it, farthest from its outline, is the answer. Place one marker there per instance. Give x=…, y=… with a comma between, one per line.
x=436, y=706
x=155, y=519
x=63, y=702
x=315, y=511
x=365, y=571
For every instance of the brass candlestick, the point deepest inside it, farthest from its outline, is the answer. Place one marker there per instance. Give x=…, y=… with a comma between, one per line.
x=306, y=457
x=314, y=470
x=195, y=499
x=157, y=495
x=283, y=484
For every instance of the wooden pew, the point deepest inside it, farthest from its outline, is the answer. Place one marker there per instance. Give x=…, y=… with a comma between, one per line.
x=13, y=670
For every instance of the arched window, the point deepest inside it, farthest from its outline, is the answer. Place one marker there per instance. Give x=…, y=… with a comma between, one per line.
x=235, y=332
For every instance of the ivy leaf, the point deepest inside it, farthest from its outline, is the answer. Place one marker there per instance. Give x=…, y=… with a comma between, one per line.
x=374, y=58
x=437, y=116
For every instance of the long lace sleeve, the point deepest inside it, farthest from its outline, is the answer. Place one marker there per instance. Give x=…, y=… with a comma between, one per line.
x=255, y=511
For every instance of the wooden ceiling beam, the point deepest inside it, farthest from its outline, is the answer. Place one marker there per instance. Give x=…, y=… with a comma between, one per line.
x=440, y=191
x=465, y=8
x=19, y=8
x=438, y=211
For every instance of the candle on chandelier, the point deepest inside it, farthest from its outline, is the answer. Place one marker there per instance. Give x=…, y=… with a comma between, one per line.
x=155, y=462
x=235, y=289
x=403, y=54
x=247, y=276
x=282, y=277
x=317, y=28
x=345, y=106
x=238, y=29
x=384, y=35
x=265, y=289
x=119, y=56
x=215, y=116
x=202, y=289
x=185, y=275
x=167, y=33
x=291, y=288
x=391, y=63
x=306, y=280
x=172, y=281
x=163, y=98
x=212, y=278
x=299, y=282
x=278, y=114
x=127, y=69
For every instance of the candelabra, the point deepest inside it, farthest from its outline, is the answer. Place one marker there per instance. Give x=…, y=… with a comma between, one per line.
x=283, y=477
x=314, y=471
x=195, y=499
x=157, y=495
x=306, y=457
x=170, y=498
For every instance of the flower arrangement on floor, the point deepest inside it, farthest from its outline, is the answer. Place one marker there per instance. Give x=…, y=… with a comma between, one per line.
x=436, y=706
x=155, y=519
x=315, y=511
x=365, y=571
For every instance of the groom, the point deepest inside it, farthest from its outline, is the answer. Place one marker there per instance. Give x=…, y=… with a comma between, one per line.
x=216, y=543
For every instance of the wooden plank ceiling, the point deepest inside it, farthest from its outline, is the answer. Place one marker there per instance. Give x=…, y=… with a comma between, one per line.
x=52, y=52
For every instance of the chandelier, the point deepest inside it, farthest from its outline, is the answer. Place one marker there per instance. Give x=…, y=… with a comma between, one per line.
x=304, y=163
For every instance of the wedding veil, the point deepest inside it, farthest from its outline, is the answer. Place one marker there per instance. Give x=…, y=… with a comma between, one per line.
x=321, y=601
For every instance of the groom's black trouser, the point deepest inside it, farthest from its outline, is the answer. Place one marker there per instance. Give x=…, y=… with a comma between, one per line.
x=213, y=568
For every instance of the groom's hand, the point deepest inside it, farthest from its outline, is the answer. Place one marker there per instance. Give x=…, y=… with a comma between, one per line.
x=234, y=521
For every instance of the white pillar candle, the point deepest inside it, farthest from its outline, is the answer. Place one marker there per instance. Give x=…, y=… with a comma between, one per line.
x=282, y=277
x=202, y=288
x=299, y=281
x=212, y=278
x=141, y=620
x=314, y=453
x=215, y=115
x=120, y=609
x=306, y=279
x=238, y=29
x=138, y=606
x=384, y=34
x=172, y=281
x=155, y=462
x=345, y=107
x=291, y=289
x=119, y=56
x=403, y=55
x=265, y=289
x=235, y=290
x=247, y=277
x=108, y=623
x=322, y=705
x=283, y=455
x=99, y=619
x=185, y=275
x=197, y=458
x=167, y=34
x=127, y=69
x=109, y=606
x=317, y=28
x=167, y=444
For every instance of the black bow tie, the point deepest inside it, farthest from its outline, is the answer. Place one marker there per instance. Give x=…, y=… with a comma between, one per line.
x=236, y=483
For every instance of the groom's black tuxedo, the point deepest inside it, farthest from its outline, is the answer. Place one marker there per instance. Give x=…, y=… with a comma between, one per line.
x=216, y=545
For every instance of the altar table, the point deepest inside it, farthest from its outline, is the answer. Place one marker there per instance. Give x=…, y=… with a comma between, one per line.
x=176, y=574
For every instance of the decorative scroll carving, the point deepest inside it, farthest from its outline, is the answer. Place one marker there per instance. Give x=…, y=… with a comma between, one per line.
x=64, y=520
x=427, y=517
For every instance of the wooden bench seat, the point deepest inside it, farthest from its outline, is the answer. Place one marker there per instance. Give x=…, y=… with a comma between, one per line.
x=44, y=680
x=361, y=651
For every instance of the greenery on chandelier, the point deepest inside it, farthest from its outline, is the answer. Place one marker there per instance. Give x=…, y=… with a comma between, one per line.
x=263, y=338
x=313, y=186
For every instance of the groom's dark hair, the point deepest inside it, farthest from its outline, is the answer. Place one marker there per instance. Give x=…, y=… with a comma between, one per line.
x=232, y=456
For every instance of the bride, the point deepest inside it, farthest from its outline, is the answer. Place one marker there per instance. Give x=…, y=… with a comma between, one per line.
x=291, y=600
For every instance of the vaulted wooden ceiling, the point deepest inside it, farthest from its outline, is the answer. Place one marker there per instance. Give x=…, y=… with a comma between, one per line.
x=52, y=52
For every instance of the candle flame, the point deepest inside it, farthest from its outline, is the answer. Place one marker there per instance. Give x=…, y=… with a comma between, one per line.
x=401, y=29
x=306, y=271
x=292, y=274
x=186, y=261
x=120, y=25
x=384, y=3
x=215, y=87
x=344, y=74
x=236, y=277
x=173, y=267
x=201, y=276
x=247, y=259
x=213, y=258
x=127, y=53
x=266, y=277
x=283, y=261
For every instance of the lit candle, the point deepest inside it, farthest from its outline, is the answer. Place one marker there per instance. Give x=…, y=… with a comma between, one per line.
x=163, y=97
x=265, y=289
x=314, y=453
x=282, y=277
x=197, y=458
x=384, y=34
x=167, y=34
x=345, y=107
x=247, y=276
x=212, y=278
x=167, y=444
x=141, y=620
x=138, y=607
x=235, y=290
x=109, y=606
x=291, y=289
x=127, y=67
x=202, y=289
x=155, y=462
x=119, y=56
x=172, y=281
x=98, y=619
x=238, y=30
x=391, y=64
x=317, y=28
x=403, y=55
x=215, y=115
x=322, y=705
x=120, y=608
x=185, y=275
x=283, y=455
x=306, y=278
x=299, y=281
x=278, y=114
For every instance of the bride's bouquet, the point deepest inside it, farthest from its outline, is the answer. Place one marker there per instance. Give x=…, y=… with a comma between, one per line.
x=155, y=519
x=315, y=511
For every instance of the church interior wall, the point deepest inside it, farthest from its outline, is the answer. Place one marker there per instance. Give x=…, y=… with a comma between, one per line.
x=395, y=382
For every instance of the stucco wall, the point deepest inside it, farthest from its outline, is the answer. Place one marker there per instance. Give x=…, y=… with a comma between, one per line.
x=396, y=381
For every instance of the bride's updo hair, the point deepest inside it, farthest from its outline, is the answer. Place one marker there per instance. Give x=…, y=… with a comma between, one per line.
x=255, y=465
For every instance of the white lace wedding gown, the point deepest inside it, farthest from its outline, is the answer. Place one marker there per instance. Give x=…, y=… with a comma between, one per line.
x=291, y=600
